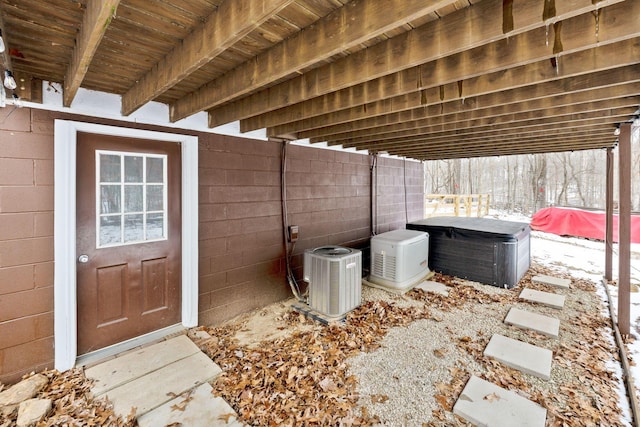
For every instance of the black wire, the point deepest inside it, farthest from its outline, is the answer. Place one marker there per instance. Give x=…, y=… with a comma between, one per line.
x=295, y=288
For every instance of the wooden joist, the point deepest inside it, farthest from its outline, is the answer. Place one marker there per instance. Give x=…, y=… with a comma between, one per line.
x=432, y=41
x=467, y=130
x=582, y=141
x=596, y=100
x=573, y=145
x=504, y=134
x=232, y=21
x=348, y=26
x=503, y=87
x=494, y=57
x=95, y=21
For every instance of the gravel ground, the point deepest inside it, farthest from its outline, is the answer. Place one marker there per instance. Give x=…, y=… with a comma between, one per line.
x=402, y=360
x=413, y=360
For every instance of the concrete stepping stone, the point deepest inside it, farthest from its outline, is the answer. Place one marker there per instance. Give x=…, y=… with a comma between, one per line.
x=552, y=281
x=136, y=363
x=544, y=298
x=485, y=404
x=197, y=408
x=157, y=387
x=520, y=355
x=434, y=287
x=545, y=325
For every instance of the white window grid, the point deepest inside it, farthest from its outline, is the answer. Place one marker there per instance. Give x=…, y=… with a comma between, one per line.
x=123, y=184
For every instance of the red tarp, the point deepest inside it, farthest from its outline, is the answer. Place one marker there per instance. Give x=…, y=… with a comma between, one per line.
x=576, y=222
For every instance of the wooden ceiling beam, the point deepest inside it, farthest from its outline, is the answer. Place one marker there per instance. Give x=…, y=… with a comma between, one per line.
x=233, y=20
x=348, y=26
x=489, y=147
x=552, y=133
x=439, y=40
x=470, y=129
x=498, y=142
x=592, y=67
x=570, y=146
x=425, y=82
x=542, y=71
x=552, y=147
x=577, y=144
x=542, y=130
x=503, y=114
x=455, y=111
x=502, y=117
x=96, y=20
x=496, y=92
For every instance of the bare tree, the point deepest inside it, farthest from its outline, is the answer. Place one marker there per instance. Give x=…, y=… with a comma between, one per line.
x=527, y=183
x=562, y=185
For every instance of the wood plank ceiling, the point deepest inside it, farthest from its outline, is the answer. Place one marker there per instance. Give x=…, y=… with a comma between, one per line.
x=426, y=79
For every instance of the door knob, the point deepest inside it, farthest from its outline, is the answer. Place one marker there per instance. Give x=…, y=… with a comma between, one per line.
x=83, y=258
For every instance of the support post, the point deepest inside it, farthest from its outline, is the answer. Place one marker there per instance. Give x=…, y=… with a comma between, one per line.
x=624, y=228
x=608, y=254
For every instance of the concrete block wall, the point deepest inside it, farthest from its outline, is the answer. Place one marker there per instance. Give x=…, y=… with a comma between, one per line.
x=26, y=245
x=241, y=251
x=400, y=193
x=240, y=236
x=328, y=196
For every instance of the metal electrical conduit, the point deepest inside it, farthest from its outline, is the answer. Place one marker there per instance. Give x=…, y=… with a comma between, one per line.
x=373, y=190
x=288, y=248
x=626, y=371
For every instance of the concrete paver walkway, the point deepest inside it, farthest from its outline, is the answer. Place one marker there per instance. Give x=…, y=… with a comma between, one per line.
x=166, y=382
x=434, y=287
x=520, y=355
x=549, y=326
x=544, y=298
x=197, y=408
x=485, y=404
x=551, y=281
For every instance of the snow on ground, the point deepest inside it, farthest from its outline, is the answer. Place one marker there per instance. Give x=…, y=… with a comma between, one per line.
x=585, y=259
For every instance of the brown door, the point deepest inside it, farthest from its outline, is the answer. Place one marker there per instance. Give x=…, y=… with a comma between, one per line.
x=128, y=238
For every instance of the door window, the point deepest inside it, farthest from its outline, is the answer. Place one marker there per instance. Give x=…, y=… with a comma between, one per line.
x=131, y=198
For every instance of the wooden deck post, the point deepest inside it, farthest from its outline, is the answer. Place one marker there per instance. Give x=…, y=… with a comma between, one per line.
x=624, y=228
x=488, y=203
x=608, y=250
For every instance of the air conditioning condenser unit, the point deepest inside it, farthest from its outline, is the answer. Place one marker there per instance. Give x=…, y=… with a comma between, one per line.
x=334, y=274
x=399, y=259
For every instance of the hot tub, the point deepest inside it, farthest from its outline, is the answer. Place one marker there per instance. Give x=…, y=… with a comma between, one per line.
x=484, y=250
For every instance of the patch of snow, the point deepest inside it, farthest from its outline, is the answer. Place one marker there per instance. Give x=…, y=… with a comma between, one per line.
x=585, y=259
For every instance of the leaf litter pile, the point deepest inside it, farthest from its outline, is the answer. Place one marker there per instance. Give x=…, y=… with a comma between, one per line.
x=397, y=360
x=341, y=374
x=73, y=403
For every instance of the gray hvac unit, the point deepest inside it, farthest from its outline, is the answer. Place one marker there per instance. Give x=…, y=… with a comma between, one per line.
x=334, y=274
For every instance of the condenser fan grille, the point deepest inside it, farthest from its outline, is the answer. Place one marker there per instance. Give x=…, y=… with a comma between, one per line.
x=332, y=251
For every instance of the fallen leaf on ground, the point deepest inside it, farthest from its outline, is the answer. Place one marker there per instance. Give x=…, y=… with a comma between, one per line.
x=379, y=398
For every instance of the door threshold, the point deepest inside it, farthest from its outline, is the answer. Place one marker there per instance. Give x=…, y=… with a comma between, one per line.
x=97, y=356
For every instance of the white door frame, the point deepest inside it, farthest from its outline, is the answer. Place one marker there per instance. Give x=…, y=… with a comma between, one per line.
x=64, y=282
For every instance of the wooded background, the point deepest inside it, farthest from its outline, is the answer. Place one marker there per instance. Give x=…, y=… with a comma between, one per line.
x=527, y=183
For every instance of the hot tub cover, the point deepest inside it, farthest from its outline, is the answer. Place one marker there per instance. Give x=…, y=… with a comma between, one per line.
x=580, y=223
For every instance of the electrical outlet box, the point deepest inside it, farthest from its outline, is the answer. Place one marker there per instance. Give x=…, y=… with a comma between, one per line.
x=293, y=233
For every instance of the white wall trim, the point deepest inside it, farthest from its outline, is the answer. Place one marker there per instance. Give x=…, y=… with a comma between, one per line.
x=65, y=296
